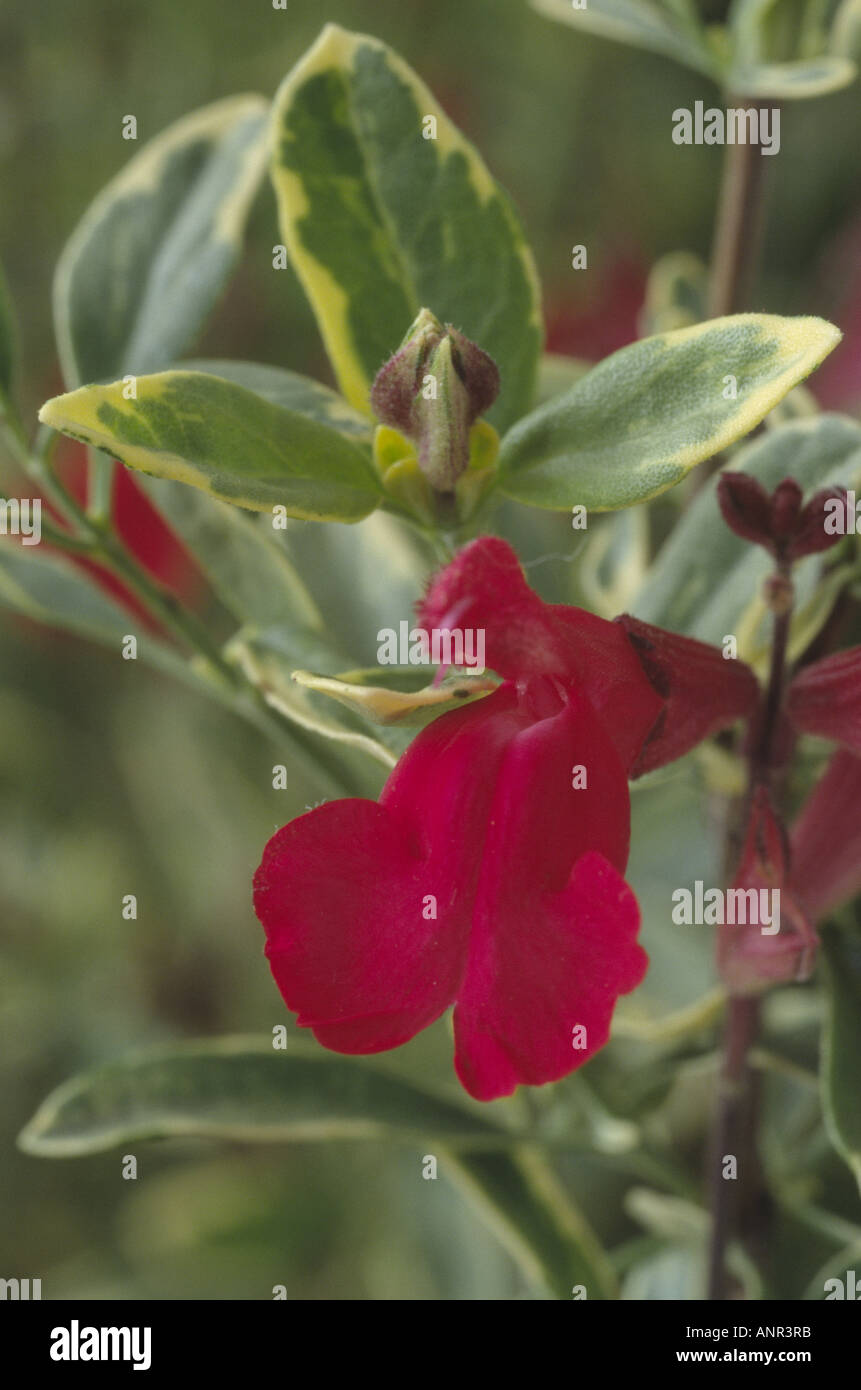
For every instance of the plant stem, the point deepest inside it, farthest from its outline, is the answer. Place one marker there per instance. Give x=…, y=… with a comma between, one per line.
x=738, y=227
x=734, y=1203
x=732, y=1135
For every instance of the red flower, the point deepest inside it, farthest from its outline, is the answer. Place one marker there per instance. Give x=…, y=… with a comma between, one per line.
x=489, y=874
x=775, y=943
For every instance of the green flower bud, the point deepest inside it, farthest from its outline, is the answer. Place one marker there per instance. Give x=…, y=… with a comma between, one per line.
x=433, y=390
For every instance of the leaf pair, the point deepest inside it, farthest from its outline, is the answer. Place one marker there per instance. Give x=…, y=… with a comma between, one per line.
x=384, y=208
x=779, y=49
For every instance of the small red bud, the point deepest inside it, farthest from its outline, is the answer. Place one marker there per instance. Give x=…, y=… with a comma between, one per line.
x=746, y=507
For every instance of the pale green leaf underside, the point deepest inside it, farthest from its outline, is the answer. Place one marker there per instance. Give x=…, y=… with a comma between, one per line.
x=842, y=1044
x=647, y=24
x=380, y=222
x=148, y=260
x=225, y=440
x=644, y=417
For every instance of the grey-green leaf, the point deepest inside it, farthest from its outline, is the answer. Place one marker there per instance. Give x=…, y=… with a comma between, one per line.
x=639, y=421
x=145, y=265
x=243, y=1089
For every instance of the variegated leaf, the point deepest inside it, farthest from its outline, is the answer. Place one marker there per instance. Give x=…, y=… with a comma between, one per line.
x=225, y=440
x=148, y=260
x=644, y=417
x=385, y=208
x=290, y=389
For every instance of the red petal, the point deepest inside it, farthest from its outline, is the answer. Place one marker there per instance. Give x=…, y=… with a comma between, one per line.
x=549, y=947
x=703, y=692
x=525, y=637
x=538, y=973
x=339, y=893
x=826, y=839
x=825, y=698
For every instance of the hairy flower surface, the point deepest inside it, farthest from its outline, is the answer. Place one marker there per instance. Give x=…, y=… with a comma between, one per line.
x=488, y=876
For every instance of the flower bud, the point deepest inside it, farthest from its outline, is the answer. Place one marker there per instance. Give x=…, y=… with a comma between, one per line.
x=433, y=390
x=777, y=521
x=779, y=945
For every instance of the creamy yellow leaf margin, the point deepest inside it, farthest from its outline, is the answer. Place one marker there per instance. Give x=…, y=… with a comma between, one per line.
x=335, y=48
x=77, y=414
x=142, y=174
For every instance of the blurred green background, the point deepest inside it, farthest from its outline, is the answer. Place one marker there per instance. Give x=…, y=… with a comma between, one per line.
x=113, y=781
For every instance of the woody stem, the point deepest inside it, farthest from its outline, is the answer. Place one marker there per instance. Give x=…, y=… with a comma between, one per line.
x=738, y=226
x=735, y=1203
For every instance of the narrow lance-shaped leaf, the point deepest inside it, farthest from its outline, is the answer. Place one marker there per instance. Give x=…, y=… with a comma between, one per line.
x=671, y=29
x=148, y=260
x=842, y=1043
x=383, y=705
x=242, y=1089
x=386, y=208
x=644, y=417
x=535, y=1218
x=225, y=440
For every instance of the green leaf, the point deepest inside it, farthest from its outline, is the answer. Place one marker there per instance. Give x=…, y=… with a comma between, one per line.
x=794, y=81
x=51, y=590
x=557, y=373
x=7, y=340
x=642, y=419
x=147, y=262
x=670, y=29
x=842, y=1043
x=248, y=570
x=269, y=659
x=290, y=389
x=241, y=1089
x=538, y=1221
x=225, y=440
x=383, y=705
x=380, y=221
x=705, y=577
